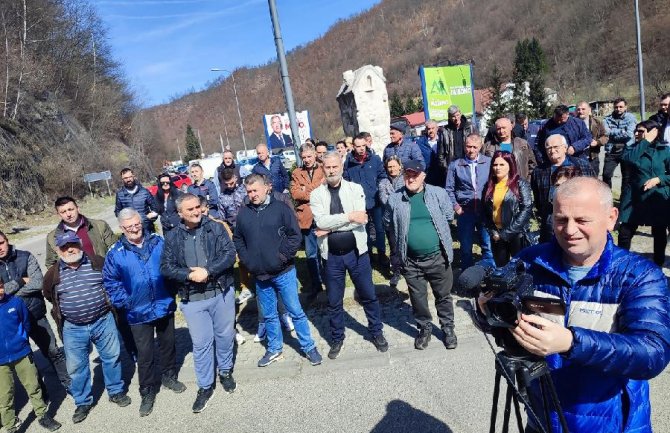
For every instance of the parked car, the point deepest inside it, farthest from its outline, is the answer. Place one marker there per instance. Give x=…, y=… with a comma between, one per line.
x=288, y=157
x=181, y=181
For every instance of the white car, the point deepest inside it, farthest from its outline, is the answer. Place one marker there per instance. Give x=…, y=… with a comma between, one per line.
x=288, y=157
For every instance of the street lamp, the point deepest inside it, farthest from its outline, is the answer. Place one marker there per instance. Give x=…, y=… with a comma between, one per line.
x=237, y=102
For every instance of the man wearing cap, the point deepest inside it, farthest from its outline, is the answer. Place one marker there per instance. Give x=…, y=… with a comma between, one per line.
x=418, y=217
x=83, y=315
x=466, y=179
x=402, y=147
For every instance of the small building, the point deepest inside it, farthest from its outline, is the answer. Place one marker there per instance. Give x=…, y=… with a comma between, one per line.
x=364, y=104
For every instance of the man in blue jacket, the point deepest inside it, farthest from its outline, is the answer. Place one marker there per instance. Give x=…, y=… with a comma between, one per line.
x=16, y=358
x=466, y=178
x=615, y=333
x=367, y=170
x=620, y=126
x=272, y=168
x=574, y=130
x=267, y=238
x=135, y=286
x=204, y=188
x=402, y=147
x=133, y=195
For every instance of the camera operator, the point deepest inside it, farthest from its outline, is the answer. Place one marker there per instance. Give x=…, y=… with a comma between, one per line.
x=617, y=320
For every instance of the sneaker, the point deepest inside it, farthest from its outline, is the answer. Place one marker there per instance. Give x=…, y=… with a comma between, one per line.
x=269, y=358
x=170, y=382
x=380, y=343
x=80, y=413
x=244, y=296
x=314, y=356
x=202, y=398
x=421, y=341
x=148, y=400
x=121, y=399
x=287, y=322
x=450, y=340
x=335, y=349
x=228, y=382
x=260, y=334
x=49, y=423
x=239, y=339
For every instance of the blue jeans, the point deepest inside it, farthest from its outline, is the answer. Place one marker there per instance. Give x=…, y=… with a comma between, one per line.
x=77, y=341
x=466, y=226
x=376, y=222
x=361, y=274
x=313, y=259
x=286, y=286
x=211, y=322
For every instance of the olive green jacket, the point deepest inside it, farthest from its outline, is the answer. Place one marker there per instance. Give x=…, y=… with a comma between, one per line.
x=99, y=232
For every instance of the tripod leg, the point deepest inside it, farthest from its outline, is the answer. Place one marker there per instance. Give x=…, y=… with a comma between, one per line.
x=517, y=411
x=545, y=402
x=494, y=405
x=508, y=404
x=556, y=403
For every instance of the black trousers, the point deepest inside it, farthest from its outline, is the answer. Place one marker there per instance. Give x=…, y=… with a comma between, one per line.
x=503, y=251
x=658, y=232
x=613, y=159
x=44, y=338
x=147, y=365
x=435, y=270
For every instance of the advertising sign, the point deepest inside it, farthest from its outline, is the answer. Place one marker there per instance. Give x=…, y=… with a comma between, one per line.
x=443, y=86
x=278, y=129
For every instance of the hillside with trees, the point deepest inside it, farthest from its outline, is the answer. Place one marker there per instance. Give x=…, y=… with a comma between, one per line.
x=589, y=48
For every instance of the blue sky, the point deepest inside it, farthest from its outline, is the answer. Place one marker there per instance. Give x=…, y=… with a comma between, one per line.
x=167, y=47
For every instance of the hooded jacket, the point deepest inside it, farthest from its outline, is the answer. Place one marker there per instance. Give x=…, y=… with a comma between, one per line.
x=619, y=314
x=14, y=343
x=134, y=283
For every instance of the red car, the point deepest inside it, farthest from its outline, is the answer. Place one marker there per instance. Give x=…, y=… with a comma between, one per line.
x=178, y=179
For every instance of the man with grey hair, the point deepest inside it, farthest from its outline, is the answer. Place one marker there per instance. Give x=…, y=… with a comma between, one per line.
x=136, y=288
x=429, y=143
x=339, y=212
x=83, y=316
x=556, y=147
x=502, y=140
x=198, y=258
x=613, y=333
x=456, y=132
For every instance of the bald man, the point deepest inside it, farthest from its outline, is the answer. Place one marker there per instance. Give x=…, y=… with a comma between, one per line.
x=272, y=168
x=502, y=140
x=614, y=333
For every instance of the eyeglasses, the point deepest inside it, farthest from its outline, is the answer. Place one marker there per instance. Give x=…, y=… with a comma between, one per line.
x=132, y=227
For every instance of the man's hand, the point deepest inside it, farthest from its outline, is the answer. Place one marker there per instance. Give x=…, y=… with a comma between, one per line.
x=320, y=232
x=540, y=336
x=571, y=150
x=651, y=183
x=594, y=143
x=458, y=209
x=495, y=237
x=358, y=216
x=198, y=275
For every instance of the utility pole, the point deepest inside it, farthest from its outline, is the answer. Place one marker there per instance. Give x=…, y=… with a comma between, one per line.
x=225, y=129
x=640, y=72
x=237, y=103
x=202, y=152
x=178, y=149
x=281, y=56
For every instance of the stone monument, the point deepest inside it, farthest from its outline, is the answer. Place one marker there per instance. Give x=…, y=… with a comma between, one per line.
x=364, y=105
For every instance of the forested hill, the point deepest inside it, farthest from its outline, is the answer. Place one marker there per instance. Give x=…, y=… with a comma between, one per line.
x=590, y=48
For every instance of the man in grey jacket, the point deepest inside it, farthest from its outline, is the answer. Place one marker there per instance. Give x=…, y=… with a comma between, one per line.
x=418, y=217
x=621, y=128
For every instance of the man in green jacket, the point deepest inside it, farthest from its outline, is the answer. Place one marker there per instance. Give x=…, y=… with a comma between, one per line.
x=96, y=235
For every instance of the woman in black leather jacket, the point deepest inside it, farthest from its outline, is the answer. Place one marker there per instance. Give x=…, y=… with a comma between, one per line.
x=508, y=204
x=165, y=198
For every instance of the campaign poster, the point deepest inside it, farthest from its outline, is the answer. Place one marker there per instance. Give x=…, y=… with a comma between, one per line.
x=443, y=86
x=278, y=129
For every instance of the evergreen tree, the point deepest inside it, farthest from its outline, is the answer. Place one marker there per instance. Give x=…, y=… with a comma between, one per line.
x=410, y=105
x=498, y=107
x=192, y=145
x=530, y=66
x=397, y=109
x=419, y=104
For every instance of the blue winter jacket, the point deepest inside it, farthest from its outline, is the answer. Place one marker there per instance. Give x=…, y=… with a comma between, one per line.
x=575, y=132
x=133, y=280
x=367, y=174
x=406, y=151
x=14, y=343
x=459, y=183
x=277, y=174
x=142, y=201
x=619, y=314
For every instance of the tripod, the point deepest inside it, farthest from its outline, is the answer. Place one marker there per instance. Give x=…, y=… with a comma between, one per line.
x=523, y=370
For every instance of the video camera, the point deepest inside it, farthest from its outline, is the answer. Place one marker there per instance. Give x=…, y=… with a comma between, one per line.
x=513, y=295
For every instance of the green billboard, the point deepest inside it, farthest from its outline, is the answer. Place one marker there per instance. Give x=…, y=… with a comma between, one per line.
x=443, y=86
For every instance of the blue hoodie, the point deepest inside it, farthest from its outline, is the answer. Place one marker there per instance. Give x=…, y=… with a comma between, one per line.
x=15, y=323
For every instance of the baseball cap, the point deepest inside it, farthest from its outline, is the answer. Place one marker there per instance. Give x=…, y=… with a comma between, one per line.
x=413, y=165
x=67, y=237
x=397, y=127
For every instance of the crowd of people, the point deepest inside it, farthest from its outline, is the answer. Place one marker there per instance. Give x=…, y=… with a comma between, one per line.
x=347, y=206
